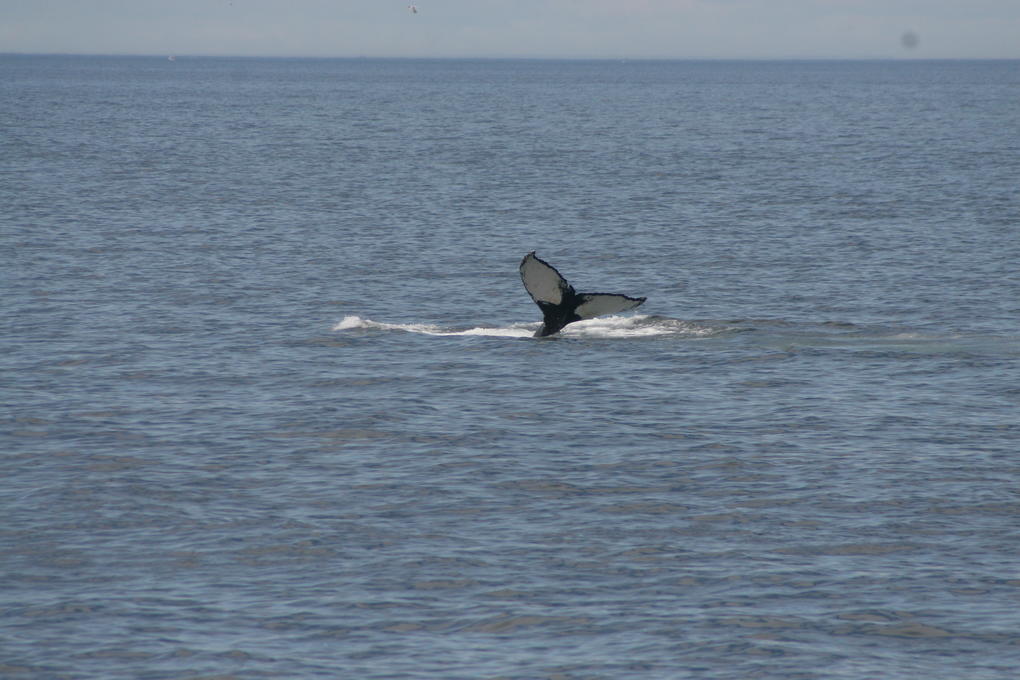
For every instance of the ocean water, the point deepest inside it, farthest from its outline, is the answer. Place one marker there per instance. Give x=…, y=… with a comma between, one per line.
x=271, y=407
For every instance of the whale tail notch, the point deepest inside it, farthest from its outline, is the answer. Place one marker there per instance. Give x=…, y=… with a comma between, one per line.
x=560, y=303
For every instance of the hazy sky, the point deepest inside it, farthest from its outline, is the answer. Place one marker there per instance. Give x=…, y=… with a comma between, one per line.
x=518, y=28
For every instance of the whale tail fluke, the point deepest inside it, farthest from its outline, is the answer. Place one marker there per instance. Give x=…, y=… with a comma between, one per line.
x=560, y=303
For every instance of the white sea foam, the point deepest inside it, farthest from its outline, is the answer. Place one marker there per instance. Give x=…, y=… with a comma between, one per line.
x=355, y=322
x=641, y=326
x=603, y=327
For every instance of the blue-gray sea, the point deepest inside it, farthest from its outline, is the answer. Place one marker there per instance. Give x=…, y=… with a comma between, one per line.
x=271, y=407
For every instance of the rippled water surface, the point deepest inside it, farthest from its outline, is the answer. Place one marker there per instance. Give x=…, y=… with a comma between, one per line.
x=271, y=407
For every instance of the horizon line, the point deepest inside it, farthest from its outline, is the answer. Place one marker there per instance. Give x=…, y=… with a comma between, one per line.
x=202, y=55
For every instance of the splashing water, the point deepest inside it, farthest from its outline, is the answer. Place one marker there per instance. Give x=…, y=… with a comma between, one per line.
x=604, y=327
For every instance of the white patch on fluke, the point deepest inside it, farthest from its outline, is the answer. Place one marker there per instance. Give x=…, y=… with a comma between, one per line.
x=598, y=304
x=542, y=282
